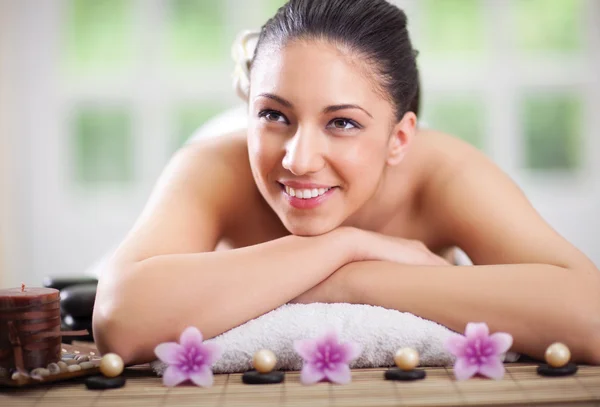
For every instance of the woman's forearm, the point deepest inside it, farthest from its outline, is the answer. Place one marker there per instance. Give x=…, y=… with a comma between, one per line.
x=142, y=304
x=537, y=304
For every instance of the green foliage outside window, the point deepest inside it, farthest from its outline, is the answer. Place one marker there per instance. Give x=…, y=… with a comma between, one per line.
x=99, y=36
x=548, y=25
x=461, y=116
x=552, y=131
x=103, y=145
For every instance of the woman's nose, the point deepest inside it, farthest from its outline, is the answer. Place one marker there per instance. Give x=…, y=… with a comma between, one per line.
x=304, y=154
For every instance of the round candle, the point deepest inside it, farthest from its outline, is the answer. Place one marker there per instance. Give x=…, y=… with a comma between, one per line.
x=29, y=322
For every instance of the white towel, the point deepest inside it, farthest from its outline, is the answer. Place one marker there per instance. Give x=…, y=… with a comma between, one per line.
x=380, y=332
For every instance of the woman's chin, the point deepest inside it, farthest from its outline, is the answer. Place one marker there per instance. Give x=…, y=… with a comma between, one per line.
x=308, y=228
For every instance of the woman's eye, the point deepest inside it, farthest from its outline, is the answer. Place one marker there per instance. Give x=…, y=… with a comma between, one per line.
x=272, y=116
x=343, y=124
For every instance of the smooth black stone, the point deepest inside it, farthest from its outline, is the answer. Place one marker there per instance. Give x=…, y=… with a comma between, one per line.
x=61, y=282
x=547, y=370
x=64, y=327
x=254, y=377
x=398, y=374
x=78, y=300
x=70, y=323
x=77, y=324
x=101, y=383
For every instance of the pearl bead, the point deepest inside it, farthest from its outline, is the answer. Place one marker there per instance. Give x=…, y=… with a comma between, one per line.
x=264, y=361
x=406, y=358
x=558, y=355
x=111, y=365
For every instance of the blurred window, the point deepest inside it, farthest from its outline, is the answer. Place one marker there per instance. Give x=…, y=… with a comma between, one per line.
x=463, y=115
x=552, y=130
x=190, y=116
x=452, y=25
x=458, y=40
x=103, y=145
x=548, y=25
x=196, y=32
x=99, y=36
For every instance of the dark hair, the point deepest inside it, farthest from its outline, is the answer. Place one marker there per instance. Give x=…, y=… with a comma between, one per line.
x=374, y=29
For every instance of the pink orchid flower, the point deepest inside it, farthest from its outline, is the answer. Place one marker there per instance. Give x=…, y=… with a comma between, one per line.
x=326, y=358
x=479, y=352
x=190, y=359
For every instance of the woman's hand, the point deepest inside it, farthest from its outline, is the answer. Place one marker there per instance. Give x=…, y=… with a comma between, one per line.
x=330, y=290
x=369, y=245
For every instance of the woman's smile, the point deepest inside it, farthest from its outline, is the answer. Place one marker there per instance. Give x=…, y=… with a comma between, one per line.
x=306, y=195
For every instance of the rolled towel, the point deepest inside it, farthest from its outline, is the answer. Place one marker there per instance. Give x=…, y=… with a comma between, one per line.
x=380, y=332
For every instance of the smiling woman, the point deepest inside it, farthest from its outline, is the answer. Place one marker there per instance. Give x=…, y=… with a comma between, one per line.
x=324, y=125
x=334, y=194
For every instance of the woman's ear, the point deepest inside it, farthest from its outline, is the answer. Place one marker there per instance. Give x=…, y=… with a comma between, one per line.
x=401, y=137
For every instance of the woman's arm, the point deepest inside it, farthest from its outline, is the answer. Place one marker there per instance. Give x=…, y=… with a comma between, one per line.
x=537, y=304
x=154, y=300
x=165, y=276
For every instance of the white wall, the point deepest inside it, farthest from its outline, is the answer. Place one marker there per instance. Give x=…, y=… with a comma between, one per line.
x=7, y=94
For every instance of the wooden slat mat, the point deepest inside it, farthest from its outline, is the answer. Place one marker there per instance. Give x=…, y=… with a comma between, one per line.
x=520, y=386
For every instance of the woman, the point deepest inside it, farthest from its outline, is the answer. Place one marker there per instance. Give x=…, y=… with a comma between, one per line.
x=333, y=194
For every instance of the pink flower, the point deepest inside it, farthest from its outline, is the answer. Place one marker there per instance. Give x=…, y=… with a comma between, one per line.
x=189, y=359
x=326, y=358
x=479, y=352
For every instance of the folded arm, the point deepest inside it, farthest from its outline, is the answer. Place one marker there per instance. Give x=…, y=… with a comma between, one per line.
x=165, y=276
x=538, y=304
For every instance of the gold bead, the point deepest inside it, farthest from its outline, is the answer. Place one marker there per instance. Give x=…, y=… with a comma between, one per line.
x=264, y=361
x=406, y=358
x=558, y=355
x=111, y=365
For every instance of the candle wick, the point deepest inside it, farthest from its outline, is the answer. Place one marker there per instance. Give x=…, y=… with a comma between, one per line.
x=22, y=287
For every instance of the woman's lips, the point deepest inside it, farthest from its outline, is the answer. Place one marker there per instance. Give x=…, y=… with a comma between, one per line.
x=302, y=185
x=299, y=202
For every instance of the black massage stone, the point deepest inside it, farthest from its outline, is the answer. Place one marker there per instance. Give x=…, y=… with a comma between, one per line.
x=76, y=324
x=78, y=300
x=254, y=377
x=402, y=375
x=71, y=323
x=61, y=282
x=103, y=383
x=547, y=370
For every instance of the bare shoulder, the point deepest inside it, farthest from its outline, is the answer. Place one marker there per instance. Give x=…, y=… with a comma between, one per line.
x=476, y=206
x=447, y=160
x=217, y=151
x=219, y=166
x=215, y=159
x=193, y=200
x=446, y=150
x=441, y=159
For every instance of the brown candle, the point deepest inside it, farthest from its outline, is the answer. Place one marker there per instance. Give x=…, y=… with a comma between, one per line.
x=29, y=327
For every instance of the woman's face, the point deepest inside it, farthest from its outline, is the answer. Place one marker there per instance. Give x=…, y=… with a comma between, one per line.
x=318, y=134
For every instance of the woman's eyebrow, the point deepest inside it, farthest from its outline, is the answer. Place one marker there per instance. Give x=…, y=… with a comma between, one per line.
x=277, y=99
x=335, y=108
x=328, y=109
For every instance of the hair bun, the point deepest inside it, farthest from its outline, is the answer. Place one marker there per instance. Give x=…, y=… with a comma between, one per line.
x=242, y=52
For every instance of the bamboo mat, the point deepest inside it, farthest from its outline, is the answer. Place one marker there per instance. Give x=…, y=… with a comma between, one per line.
x=521, y=385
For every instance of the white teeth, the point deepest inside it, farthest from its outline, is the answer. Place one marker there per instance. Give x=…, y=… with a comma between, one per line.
x=305, y=193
